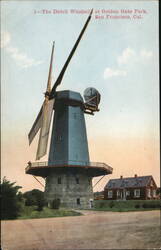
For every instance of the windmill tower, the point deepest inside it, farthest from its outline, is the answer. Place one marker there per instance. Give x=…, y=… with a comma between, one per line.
x=68, y=173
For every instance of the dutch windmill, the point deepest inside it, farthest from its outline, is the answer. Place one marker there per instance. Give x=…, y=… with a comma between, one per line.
x=68, y=172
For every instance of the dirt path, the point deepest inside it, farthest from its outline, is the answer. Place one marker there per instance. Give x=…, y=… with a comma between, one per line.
x=95, y=230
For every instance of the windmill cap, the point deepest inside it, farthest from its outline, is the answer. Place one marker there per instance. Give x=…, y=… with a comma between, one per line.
x=70, y=95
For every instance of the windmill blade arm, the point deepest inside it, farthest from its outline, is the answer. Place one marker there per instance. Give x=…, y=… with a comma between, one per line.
x=59, y=79
x=36, y=126
x=48, y=89
x=45, y=128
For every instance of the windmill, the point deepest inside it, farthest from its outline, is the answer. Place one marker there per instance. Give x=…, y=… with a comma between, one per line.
x=68, y=173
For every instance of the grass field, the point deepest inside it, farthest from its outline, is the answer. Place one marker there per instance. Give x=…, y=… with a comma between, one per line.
x=125, y=206
x=30, y=212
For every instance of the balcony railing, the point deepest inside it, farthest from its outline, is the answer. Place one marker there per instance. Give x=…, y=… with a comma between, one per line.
x=68, y=163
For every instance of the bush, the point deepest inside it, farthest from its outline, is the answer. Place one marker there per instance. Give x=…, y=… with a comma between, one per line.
x=40, y=204
x=128, y=205
x=10, y=200
x=151, y=205
x=101, y=204
x=55, y=204
x=111, y=204
x=35, y=197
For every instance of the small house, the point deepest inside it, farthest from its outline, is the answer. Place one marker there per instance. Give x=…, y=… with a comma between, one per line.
x=131, y=188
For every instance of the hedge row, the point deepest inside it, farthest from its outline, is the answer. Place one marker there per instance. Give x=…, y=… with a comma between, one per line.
x=128, y=204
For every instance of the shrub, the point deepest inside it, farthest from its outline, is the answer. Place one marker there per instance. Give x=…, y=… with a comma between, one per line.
x=101, y=204
x=40, y=204
x=145, y=205
x=111, y=204
x=151, y=205
x=55, y=204
x=34, y=197
x=137, y=206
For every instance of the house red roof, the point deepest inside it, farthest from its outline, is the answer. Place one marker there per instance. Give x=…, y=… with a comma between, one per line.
x=138, y=181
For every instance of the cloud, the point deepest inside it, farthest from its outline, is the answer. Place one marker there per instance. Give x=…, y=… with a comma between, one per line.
x=129, y=55
x=145, y=54
x=19, y=57
x=5, y=38
x=126, y=56
x=109, y=72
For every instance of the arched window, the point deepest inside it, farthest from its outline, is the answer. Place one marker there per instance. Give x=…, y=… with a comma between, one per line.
x=77, y=180
x=78, y=201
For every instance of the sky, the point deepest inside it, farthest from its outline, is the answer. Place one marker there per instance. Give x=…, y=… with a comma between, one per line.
x=118, y=55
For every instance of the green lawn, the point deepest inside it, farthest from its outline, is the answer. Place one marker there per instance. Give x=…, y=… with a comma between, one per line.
x=30, y=212
x=125, y=206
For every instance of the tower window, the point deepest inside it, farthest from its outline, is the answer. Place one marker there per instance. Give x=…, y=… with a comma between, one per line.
x=75, y=115
x=78, y=201
x=59, y=138
x=59, y=180
x=77, y=180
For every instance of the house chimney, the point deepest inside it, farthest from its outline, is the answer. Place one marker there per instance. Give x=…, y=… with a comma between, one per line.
x=135, y=176
x=121, y=176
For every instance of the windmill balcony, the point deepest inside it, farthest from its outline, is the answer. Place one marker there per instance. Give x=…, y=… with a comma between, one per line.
x=43, y=168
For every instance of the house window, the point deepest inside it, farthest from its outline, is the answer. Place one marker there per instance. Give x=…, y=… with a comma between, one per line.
x=154, y=193
x=59, y=180
x=110, y=193
x=127, y=193
x=148, y=193
x=78, y=201
x=137, y=192
x=77, y=180
x=118, y=193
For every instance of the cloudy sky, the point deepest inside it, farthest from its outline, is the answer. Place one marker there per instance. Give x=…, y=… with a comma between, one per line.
x=118, y=55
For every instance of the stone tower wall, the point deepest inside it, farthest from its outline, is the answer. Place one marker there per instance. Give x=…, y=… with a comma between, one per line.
x=72, y=189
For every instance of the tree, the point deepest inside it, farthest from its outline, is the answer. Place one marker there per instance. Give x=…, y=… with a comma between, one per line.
x=40, y=204
x=10, y=200
x=34, y=197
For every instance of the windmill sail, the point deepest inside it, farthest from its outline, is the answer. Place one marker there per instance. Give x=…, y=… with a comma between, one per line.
x=36, y=126
x=45, y=128
x=44, y=117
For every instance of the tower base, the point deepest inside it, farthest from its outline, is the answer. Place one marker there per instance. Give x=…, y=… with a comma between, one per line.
x=73, y=190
